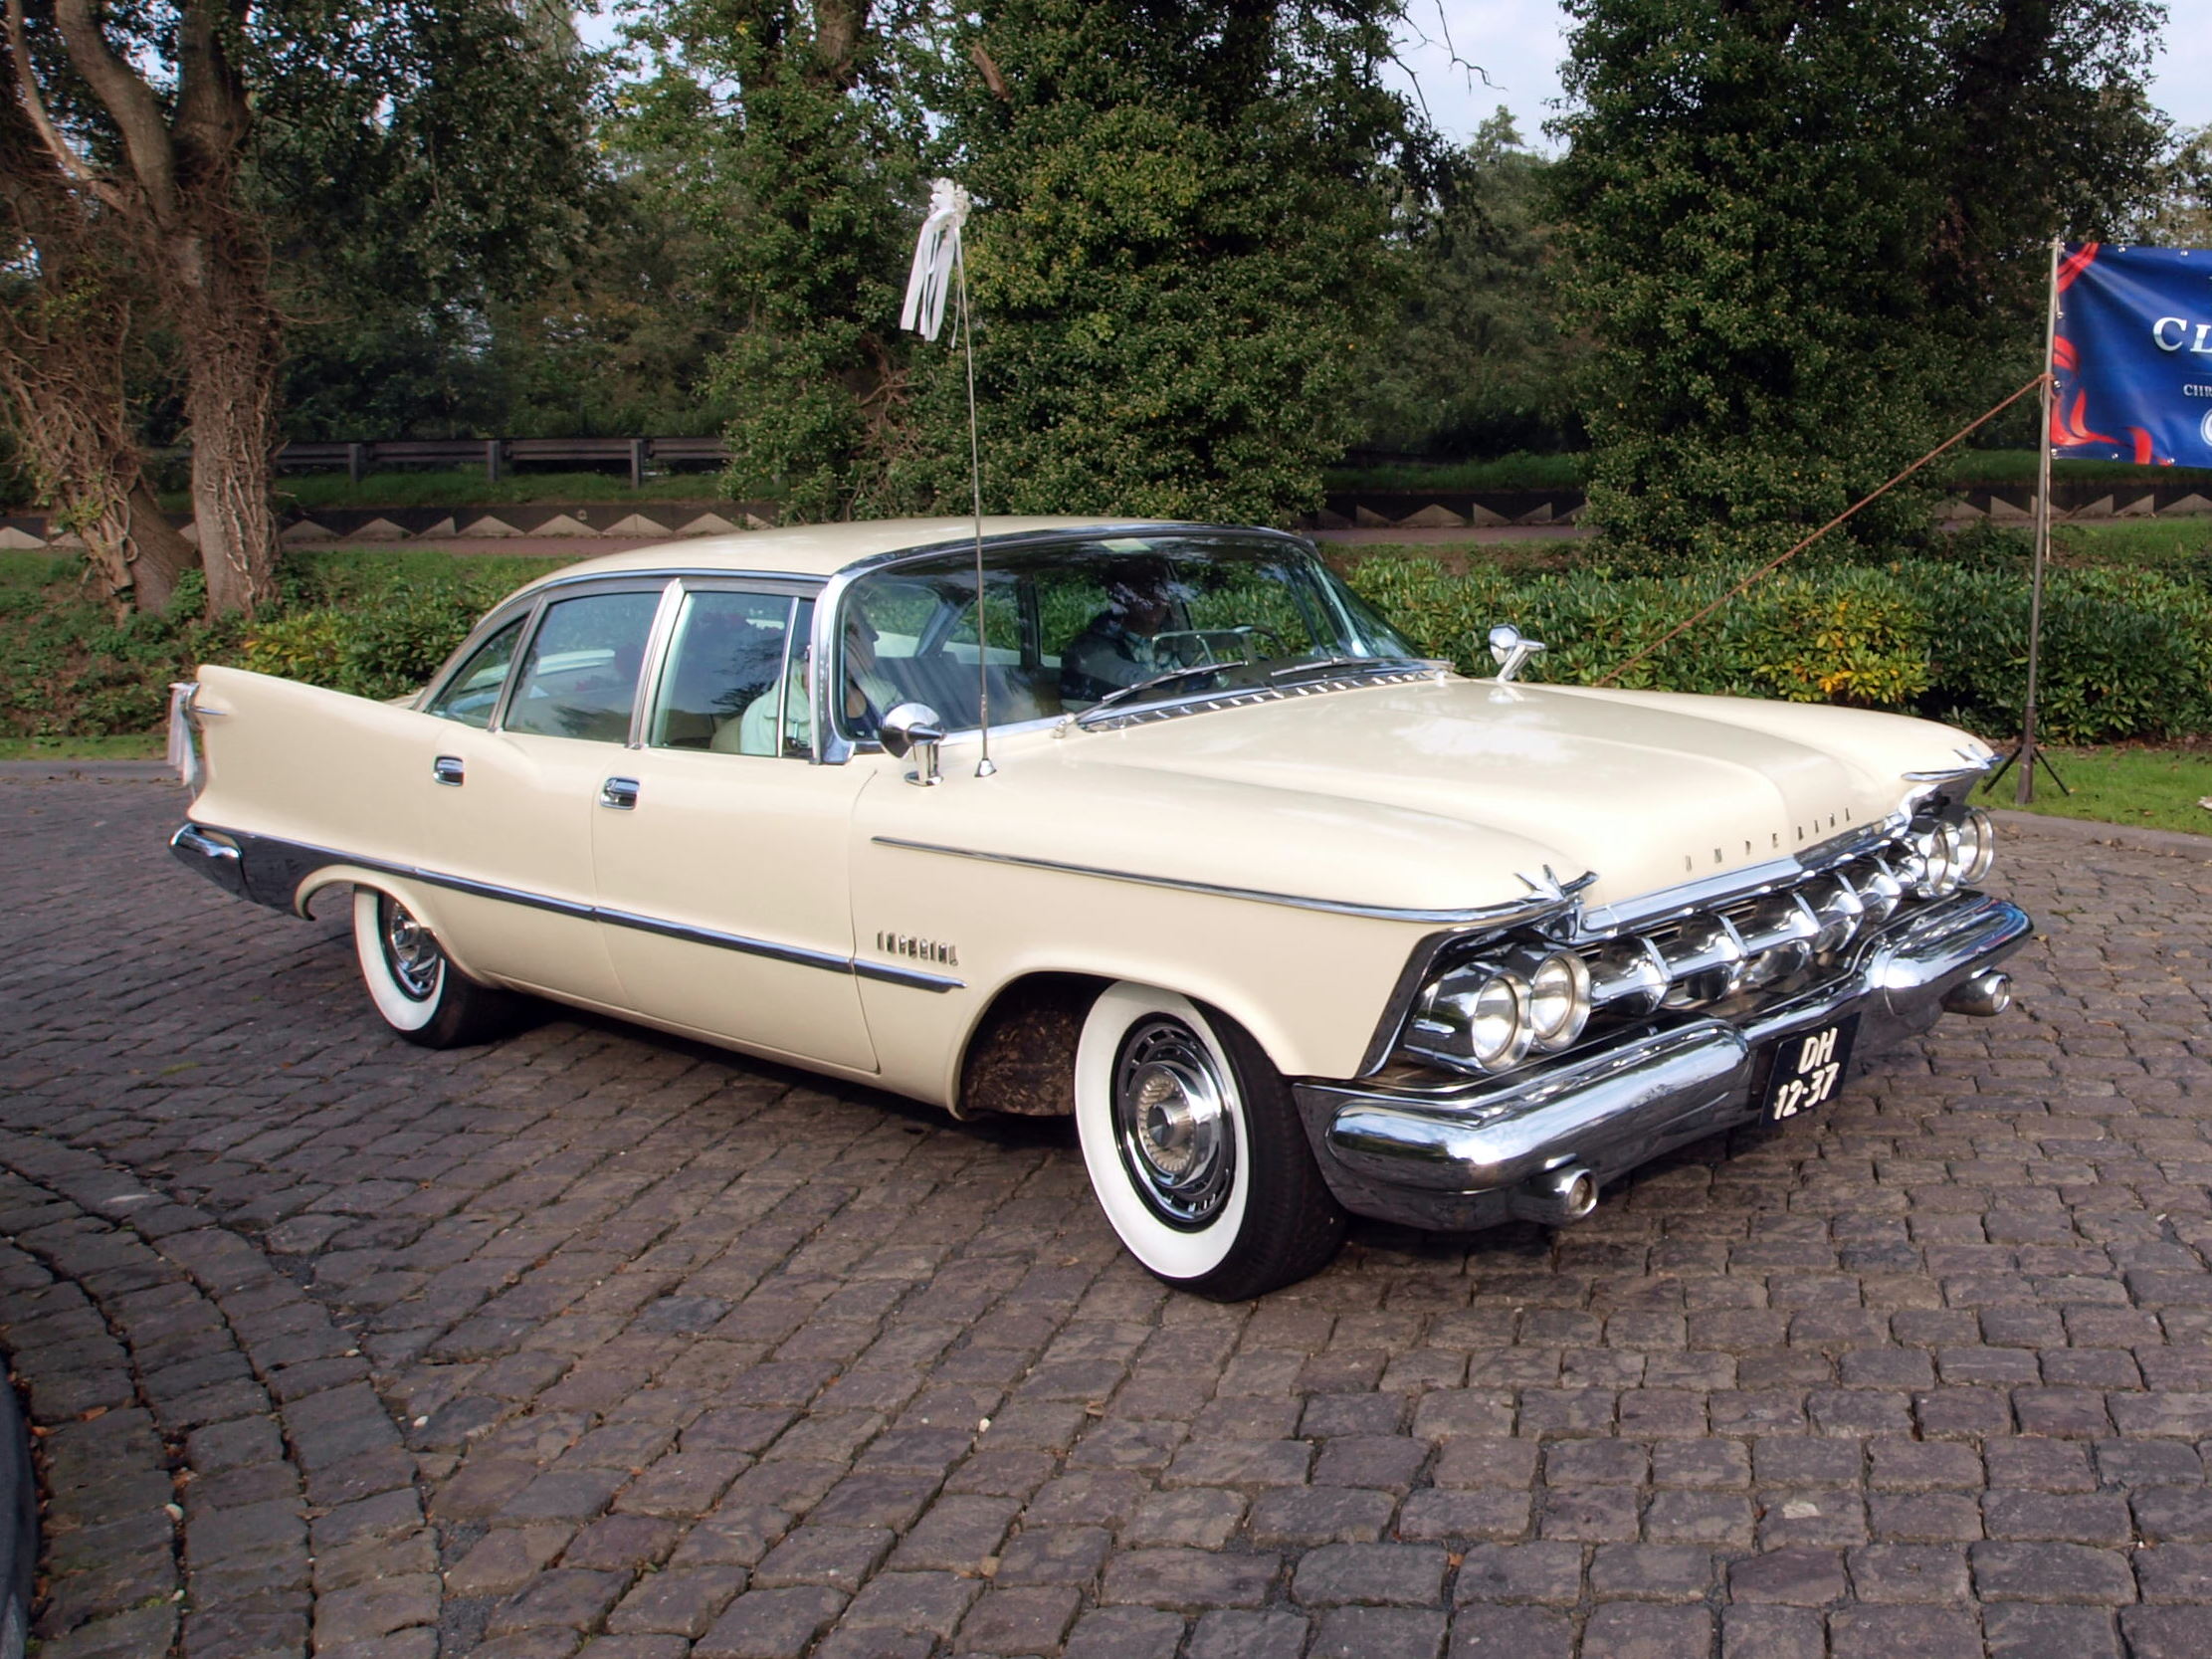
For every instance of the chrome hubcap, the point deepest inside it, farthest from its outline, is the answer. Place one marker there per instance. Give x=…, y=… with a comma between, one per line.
x=1175, y=1121
x=409, y=951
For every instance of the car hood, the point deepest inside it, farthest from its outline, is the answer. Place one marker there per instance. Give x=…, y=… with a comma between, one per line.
x=1442, y=794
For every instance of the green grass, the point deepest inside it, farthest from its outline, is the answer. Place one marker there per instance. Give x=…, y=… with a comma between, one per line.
x=461, y=486
x=137, y=746
x=2149, y=542
x=2155, y=788
x=2018, y=466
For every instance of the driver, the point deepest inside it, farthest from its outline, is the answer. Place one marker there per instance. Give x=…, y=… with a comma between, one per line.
x=870, y=694
x=1116, y=647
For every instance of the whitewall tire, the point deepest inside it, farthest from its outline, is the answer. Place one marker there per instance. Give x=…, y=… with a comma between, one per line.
x=414, y=988
x=1195, y=1149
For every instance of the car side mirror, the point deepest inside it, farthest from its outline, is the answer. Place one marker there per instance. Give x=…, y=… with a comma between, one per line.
x=1510, y=648
x=914, y=728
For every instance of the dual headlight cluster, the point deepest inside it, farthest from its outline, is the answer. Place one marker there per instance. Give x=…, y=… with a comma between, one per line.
x=1494, y=1013
x=1942, y=858
x=1525, y=998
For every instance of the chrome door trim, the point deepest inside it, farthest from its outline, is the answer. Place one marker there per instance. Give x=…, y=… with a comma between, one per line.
x=1501, y=914
x=305, y=858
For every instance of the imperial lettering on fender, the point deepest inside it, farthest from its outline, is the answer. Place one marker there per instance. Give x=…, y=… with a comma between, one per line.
x=921, y=950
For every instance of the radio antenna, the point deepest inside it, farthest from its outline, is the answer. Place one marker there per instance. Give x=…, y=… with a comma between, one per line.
x=940, y=262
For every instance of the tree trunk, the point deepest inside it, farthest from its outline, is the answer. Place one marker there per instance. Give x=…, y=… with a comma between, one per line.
x=230, y=345
x=159, y=553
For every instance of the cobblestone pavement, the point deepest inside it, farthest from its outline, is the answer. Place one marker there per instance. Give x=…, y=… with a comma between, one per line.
x=597, y=1341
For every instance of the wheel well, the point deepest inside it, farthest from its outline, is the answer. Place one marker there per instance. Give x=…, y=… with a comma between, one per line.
x=1020, y=1057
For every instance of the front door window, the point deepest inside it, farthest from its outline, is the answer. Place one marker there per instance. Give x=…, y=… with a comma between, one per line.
x=735, y=675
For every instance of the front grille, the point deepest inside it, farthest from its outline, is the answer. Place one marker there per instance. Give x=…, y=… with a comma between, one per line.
x=1741, y=953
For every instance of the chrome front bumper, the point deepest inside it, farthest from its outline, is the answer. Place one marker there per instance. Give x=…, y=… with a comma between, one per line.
x=1454, y=1155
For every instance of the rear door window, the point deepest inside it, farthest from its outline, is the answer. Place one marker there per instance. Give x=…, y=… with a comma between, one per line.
x=579, y=678
x=474, y=691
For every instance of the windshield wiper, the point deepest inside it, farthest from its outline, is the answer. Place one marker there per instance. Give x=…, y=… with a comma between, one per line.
x=1335, y=665
x=1122, y=694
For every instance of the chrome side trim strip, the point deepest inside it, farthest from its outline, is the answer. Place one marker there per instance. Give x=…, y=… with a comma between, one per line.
x=305, y=858
x=1502, y=915
x=796, y=954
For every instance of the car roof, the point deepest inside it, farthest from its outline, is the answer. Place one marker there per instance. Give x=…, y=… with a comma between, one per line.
x=820, y=549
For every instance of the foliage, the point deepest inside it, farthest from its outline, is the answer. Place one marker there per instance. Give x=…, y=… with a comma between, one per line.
x=1182, y=246
x=376, y=624
x=2126, y=653
x=2180, y=214
x=1477, y=363
x=1182, y=239
x=1809, y=239
x=787, y=138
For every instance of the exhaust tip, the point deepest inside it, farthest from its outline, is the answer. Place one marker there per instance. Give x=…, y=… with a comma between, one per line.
x=1557, y=1197
x=1983, y=994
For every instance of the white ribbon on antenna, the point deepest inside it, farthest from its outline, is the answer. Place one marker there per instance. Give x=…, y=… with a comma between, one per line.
x=934, y=252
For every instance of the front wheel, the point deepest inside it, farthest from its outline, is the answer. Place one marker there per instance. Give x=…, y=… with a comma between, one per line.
x=418, y=991
x=1194, y=1148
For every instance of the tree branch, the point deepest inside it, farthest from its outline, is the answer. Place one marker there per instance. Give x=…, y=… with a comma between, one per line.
x=72, y=165
x=129, y=102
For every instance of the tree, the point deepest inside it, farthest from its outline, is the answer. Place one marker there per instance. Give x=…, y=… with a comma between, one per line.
x=71, y=293
x=1184, y=239
x=205, y=135
x=2180, y=214
x=791, y=136
x=1477, y=362
x=1808, y=237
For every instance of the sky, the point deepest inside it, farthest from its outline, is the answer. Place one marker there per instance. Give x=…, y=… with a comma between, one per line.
x=1517, y=45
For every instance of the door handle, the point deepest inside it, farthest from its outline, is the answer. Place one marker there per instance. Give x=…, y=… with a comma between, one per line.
x=447, y=769
x=621, y=793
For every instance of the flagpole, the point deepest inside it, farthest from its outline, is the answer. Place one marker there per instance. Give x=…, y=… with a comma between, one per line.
x=2024, y=784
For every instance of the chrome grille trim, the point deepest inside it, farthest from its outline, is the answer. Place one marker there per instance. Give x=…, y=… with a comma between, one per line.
x=1653, y=910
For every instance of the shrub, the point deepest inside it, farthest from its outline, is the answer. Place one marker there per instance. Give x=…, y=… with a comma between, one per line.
x=2126, y=653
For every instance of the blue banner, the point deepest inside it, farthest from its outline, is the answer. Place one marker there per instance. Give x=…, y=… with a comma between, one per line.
x=2132, y=355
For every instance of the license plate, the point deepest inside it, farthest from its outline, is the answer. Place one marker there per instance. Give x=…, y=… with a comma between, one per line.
x=1808, y=1070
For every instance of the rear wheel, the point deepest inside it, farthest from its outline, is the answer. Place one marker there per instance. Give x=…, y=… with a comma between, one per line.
x=418, y=991
x=1194, y=1148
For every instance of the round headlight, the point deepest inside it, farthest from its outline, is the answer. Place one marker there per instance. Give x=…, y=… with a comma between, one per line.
x=1475, y=1017
x=1558, y=1000
x=1977, y=845
x=1931, y=862
x=1497, y=1028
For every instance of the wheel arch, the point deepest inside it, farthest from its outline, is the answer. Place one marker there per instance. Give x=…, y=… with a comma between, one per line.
x=1019, y=1056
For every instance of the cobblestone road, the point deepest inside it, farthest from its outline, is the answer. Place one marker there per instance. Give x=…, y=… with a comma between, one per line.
x=596, y=1340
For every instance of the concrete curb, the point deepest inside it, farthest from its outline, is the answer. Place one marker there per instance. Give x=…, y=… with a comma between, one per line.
x=68, y=771
x=2109, y=835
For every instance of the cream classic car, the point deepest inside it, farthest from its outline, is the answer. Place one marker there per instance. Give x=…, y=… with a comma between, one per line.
x=1290, y=921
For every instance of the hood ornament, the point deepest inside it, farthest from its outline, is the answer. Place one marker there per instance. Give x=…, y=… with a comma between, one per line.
x=1510, y=648
x=1549, y=886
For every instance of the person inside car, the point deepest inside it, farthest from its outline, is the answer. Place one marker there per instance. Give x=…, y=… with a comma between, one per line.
x=1116, y=647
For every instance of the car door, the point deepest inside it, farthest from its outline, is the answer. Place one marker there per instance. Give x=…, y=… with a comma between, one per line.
x=525, y=732
x=720, y=851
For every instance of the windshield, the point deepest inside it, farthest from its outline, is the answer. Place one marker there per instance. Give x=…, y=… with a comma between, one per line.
x=1069, y=625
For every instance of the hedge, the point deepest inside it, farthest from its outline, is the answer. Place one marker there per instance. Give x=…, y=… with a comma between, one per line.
x=2128, y=652
x=376, y=624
